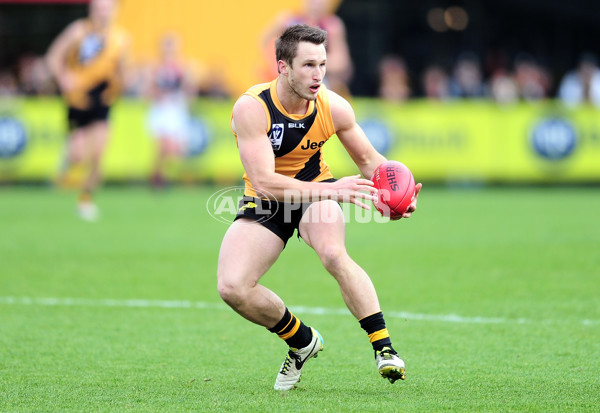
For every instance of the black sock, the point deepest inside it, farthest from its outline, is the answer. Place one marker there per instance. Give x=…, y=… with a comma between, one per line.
x=293, y=331
x=379, y=336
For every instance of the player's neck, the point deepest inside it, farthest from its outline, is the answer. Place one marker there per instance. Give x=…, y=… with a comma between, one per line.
x=291, y=102
x=98, y=24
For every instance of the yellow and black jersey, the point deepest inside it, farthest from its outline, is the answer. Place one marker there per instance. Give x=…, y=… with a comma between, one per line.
x=296, y=140
x=93, y=59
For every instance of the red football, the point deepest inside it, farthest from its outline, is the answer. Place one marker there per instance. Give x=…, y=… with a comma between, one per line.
x=396, y=188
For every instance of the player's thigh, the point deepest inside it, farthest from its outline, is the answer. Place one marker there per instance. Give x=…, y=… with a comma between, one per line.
x=247, y=252
x=323, y=227
x=170, y=146
x=98, y=137
x=77, y=145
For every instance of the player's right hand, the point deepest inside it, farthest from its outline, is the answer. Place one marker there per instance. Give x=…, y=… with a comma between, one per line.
x=354, y=189
x=66, y=81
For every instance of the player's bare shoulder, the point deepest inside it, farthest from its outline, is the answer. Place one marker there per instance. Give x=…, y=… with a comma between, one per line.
x=61, y=44
x=76, y=29
x=342, y=112
x=248, y=114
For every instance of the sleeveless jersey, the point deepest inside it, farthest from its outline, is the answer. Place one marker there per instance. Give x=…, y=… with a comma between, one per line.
x=93, y=60
x=296, y=140
x=169, y=78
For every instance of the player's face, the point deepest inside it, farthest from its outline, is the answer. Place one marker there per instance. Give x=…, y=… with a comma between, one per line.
x=306, y=74
x=102, y=10
x=169, y=47
x=317, y=8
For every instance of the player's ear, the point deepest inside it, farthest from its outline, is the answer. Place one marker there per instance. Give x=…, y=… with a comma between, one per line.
x=282, y=67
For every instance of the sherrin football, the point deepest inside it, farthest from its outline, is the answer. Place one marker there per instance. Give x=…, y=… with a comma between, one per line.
x=396, y=189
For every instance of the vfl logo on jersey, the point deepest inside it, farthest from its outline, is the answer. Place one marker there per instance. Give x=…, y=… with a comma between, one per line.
x=90, y=47
x=276, y=135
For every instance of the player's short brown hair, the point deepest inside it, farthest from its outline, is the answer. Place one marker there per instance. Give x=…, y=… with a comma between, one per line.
x=286, y=45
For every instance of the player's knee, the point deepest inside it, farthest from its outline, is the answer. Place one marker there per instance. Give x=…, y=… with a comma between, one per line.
x=76, y=155
x=231, y=292
x=333, y=258
x=76, y=159
x=226, y=291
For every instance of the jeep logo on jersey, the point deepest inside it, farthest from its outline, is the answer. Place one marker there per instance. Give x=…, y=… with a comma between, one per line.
x=276, y=135
x=312, y=145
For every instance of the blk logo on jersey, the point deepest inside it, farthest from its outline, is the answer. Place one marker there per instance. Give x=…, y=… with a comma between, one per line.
x=276, y=136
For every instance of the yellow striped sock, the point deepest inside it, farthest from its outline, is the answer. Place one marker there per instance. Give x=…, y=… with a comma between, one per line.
x=293, y=331
x=378, y=335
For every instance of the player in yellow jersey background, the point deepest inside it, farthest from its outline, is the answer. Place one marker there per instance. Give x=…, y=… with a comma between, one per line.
x=88, y=62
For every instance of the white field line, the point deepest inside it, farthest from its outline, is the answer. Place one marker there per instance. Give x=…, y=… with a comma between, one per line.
x=139, y=303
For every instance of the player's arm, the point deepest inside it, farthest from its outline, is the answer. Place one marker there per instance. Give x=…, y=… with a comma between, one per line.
x=124, y=62
x=338, y=54
x=356, y=142
x=352, y=136
x=193, y=76
x=123, y=67
x=56, y=56
x=249, y=122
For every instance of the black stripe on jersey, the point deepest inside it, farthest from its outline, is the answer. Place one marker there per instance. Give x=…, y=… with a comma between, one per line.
x=311, y=168
x=291, y=137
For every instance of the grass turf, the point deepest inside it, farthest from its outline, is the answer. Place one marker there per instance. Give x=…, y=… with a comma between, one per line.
x=491, y=296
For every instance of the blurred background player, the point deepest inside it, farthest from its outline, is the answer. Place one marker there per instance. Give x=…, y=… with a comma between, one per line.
x=582, y=85
x=394, y=82
x=317, y=13
x=467, y=78
x=88, y=62
x=435, y=83
x=171, y=86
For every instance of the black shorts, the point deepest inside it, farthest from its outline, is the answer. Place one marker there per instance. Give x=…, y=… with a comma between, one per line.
x=80, y=118
x=97, y=111
x=281, y=218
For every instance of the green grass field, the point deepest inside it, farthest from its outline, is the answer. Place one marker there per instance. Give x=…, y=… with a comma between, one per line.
x=492, y=296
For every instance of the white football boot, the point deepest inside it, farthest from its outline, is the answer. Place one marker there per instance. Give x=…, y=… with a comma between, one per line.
x=291, y=369
x=390, y=366
x=87, y=211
